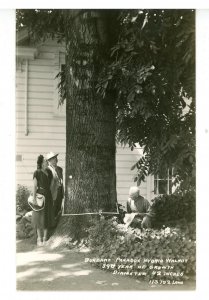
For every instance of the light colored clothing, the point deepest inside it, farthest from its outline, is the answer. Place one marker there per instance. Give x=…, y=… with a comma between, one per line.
x=57, y=189
x=55, y=183
x=135, y=206
x=140, y=205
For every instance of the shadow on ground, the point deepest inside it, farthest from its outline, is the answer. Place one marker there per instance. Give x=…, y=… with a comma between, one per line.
x=39, y=269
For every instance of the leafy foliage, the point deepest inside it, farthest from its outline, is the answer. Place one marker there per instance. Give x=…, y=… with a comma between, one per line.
x=42, y=23
x=151, y=68
x=172, y=209
x=23, y=226
x=153, y=74
x=24, y=229
x=109, y=240
x=22, y=195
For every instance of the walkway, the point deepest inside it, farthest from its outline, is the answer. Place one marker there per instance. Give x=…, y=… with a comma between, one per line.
x=39, y=269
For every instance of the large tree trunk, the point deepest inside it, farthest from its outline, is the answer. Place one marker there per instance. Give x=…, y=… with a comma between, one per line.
x=90, y=119
x=90, y=123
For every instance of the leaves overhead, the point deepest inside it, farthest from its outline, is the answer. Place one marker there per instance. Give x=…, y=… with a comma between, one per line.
x=151, y=69
x=42, y=23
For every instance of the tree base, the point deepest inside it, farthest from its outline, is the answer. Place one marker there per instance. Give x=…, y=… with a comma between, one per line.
x=68, y=230
x=60, y=237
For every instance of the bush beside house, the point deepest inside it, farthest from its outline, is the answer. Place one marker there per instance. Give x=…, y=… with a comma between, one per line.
x=23, y=213
x=109, y=240
x=22, y=194
x=170, y=210
x=173, y=236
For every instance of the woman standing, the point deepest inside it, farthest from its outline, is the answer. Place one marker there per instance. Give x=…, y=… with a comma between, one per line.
x=44, y=219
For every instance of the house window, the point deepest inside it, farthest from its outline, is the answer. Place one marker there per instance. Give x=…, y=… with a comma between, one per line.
x=163, y=183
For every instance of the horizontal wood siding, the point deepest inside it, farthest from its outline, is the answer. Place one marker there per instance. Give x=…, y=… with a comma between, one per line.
x=125, y=159
x=46, y=131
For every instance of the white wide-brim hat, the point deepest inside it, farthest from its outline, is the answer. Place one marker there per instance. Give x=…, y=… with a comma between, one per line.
x=51, y=155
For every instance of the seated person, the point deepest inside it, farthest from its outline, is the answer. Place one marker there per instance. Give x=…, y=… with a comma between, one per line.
x=139, y=212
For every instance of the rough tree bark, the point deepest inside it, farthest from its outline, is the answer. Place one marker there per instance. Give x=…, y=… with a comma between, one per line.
x=90, y=121
x=90, y=124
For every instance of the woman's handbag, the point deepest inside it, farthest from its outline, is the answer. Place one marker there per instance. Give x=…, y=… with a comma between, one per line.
x=38, y=203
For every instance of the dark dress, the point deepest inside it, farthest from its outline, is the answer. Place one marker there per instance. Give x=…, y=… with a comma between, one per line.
x=44, y=219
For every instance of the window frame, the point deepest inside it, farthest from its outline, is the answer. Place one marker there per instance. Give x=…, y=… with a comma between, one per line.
x=168, y=179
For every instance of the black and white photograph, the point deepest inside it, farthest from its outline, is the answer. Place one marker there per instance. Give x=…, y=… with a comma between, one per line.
x=105, y=149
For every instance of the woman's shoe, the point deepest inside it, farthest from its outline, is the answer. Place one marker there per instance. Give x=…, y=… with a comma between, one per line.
x=39, y=242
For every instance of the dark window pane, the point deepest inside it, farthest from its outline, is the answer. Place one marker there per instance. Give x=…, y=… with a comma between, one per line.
x=161, y=182
x=162, y=186
x=170, y=186
x=155, y=186
x=164, y=174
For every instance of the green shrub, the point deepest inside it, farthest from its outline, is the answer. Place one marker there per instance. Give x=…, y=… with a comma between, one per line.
x=110, y=240
x=22, y=195
x=174, y=208
x=24, y=229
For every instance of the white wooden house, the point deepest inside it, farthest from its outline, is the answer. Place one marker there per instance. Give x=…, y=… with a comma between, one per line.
x=40, y=124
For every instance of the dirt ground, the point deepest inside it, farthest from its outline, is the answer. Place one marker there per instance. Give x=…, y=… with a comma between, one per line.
x=41, y=269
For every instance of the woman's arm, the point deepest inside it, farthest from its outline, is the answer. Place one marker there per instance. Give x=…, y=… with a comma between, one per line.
x=35, y=184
